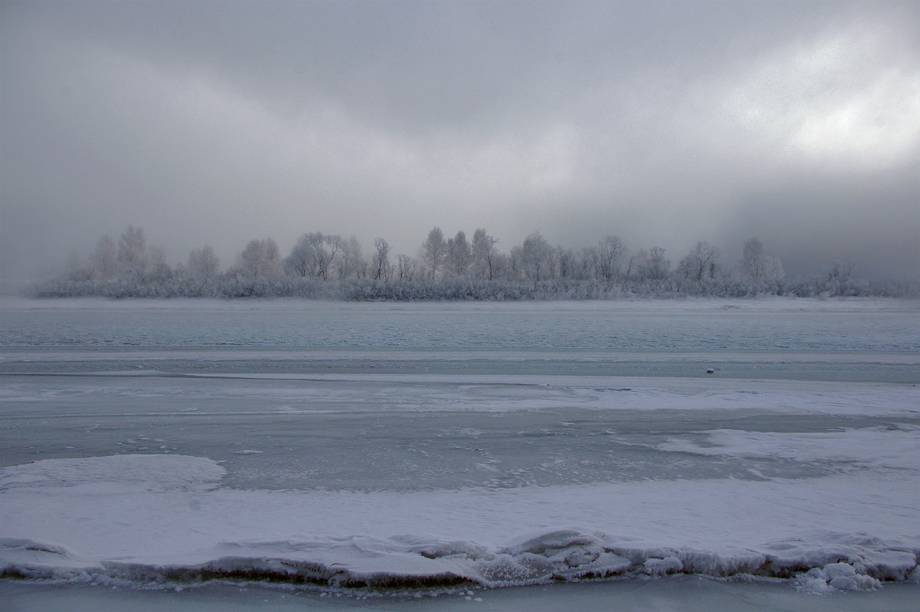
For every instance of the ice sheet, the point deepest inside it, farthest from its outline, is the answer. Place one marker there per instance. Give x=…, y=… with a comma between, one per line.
x=683, y=325
x=480, y=393
x=491, y=445
x=155, y=517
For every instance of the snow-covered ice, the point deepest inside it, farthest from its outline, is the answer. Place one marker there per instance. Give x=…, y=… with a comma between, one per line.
x=153, y=517
x=173, y=462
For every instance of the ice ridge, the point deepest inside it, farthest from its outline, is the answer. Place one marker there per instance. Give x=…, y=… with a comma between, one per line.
x=570, y=555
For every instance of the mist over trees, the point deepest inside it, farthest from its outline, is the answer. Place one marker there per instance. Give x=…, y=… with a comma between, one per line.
x=329, y=266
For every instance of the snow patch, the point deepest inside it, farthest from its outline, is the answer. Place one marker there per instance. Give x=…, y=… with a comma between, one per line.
x=161, y=519
x=870, y=447
x=150, y=470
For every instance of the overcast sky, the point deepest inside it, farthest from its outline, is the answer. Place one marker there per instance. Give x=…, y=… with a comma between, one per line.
x=665, y=123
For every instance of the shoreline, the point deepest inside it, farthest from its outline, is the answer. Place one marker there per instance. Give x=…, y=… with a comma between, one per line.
x=686, y=593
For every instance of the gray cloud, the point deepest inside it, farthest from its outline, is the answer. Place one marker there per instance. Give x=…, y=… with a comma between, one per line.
x=666, y=123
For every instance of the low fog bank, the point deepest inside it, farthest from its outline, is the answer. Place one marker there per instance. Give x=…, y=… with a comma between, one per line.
x=664, y=123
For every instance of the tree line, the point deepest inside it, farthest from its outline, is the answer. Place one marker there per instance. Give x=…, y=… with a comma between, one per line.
x=331, y=267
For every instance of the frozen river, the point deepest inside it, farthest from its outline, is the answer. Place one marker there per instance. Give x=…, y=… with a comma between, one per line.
x=437, y=449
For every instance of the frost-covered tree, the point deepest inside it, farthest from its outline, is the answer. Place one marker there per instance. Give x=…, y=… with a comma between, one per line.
x=351, y=261
x=775, y=270
x=301, y=262
x=756, y=266
x=538, y=257
x=434, y=251
x=458, y=254
x=132, y=252
x=515, y=267
x=701, y=262
x=840, y=272
x=78, y=270
x=568, y=263
x=381, y=259
x=203, y=265
x=105, y=258
x=325, y=250
x=586, y=264
x=502, y=268
x=608, y=252
x=158, y=271
x=313, y=255
x=484, y=249
x=335, y=245
x=406, y=268
x=260, y=260
x=652, y=264
x=556, y=272
x=753, y=261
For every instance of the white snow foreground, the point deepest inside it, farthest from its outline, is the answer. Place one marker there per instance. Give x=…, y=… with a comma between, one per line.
x=163, y=520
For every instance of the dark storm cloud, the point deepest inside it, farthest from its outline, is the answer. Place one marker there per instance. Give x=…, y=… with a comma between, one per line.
x=666, y=123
